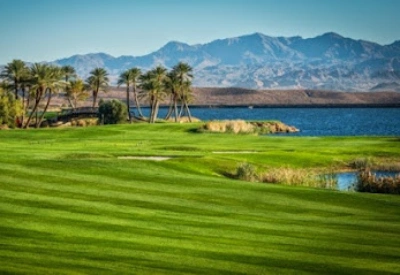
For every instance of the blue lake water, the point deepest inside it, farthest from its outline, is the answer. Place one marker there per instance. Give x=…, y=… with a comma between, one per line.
x=314, y=121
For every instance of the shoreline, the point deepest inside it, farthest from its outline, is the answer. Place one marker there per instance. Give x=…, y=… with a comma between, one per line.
x=387, y=105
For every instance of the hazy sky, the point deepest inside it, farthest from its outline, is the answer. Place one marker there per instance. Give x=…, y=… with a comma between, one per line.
x=45, y=30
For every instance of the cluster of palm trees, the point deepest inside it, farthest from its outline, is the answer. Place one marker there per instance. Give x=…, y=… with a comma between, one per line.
x=157, y=85
x=37, y=84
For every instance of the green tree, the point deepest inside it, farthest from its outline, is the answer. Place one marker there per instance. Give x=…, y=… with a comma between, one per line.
x=136, y=72
x=98, y=81
x=112, y=112
x=153, y=87
x=172, y=89
x=15, y=72
x=183, y=73
x=45, y=80
x=68, y=73
x=125, y=78
x=10, y=108
x=76, y=92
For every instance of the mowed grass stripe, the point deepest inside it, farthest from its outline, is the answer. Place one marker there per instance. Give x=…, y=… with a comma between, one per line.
x=214, y=194
x=242, y=236
x=140, y=201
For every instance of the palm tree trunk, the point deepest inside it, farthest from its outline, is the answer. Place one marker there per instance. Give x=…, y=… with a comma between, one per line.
x=128, y=104
x=70, y=102
x=176, y=108
x=155, y=113
x=137, y=102
x=170, y=108
x=16, y=88
x=37, y=101
x=188, y=111
x=38, y=123
x=74, y=106
x=95, y=92
x=181, y=110
x=151, y=108
x=23, y=106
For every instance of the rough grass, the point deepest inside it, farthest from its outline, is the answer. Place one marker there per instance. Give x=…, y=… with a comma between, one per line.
x=68, y=205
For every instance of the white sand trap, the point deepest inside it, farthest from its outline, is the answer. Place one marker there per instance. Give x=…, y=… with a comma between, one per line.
x=153, y=158
x=234, y=152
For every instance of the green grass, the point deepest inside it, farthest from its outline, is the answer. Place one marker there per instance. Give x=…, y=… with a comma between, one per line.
x=68, y=205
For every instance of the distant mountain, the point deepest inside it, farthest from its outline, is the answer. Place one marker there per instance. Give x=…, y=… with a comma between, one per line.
x=326, y=62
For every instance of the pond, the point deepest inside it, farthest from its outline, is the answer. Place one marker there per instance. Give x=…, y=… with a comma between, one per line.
x=346, y=181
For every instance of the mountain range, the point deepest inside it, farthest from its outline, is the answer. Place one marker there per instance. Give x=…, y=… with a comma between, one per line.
x=326, y=62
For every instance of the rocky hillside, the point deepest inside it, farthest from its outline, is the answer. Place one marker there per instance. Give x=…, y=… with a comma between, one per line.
x=325, y=62
x=250, y=97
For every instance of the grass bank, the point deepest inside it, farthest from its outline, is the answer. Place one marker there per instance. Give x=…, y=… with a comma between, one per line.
x=70, y=204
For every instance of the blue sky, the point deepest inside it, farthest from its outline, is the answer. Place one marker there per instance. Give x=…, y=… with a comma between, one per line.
x=45, y=30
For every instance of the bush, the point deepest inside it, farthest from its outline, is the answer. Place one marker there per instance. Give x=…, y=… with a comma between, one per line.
x=10, y=109
x=247, y=172
x=112, y=112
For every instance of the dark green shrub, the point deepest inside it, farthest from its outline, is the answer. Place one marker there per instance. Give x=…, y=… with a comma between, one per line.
x=112, y=112
x=247, y=172
x=10, y=109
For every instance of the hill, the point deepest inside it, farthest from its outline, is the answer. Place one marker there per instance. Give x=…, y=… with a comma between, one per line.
x=251, y=97
x=257, y=61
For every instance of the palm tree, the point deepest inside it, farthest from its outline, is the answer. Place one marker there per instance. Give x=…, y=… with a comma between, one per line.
x=125, y=78
x=53, y=87
x=68, y=72
x=15, y=72
x=39, y=80
x=183, y=73
x=136, y=72
x=98, y=81
x=172, y=88
x=45, y=80
x=186, y=97
x=153, y=87
x=76, y=92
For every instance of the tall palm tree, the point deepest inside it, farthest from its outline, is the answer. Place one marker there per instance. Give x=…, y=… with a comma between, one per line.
x=183, y=73
x=98, y=81
x=172, y=88
x=55, y=84
x=77, y=91
x=125, y=78
x=136, y=72
x=39, y=80
x=153, y=87
x=68, y=72
x=15, y=72
x=186, y=97
x=45, y=80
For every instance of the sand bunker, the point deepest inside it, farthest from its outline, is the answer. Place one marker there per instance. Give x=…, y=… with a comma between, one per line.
x=234, y=152
x=153, y=158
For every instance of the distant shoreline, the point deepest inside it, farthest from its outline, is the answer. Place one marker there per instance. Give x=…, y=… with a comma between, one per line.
x=386, y=105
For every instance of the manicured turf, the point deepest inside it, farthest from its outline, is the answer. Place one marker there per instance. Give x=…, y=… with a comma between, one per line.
x=69, y=205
